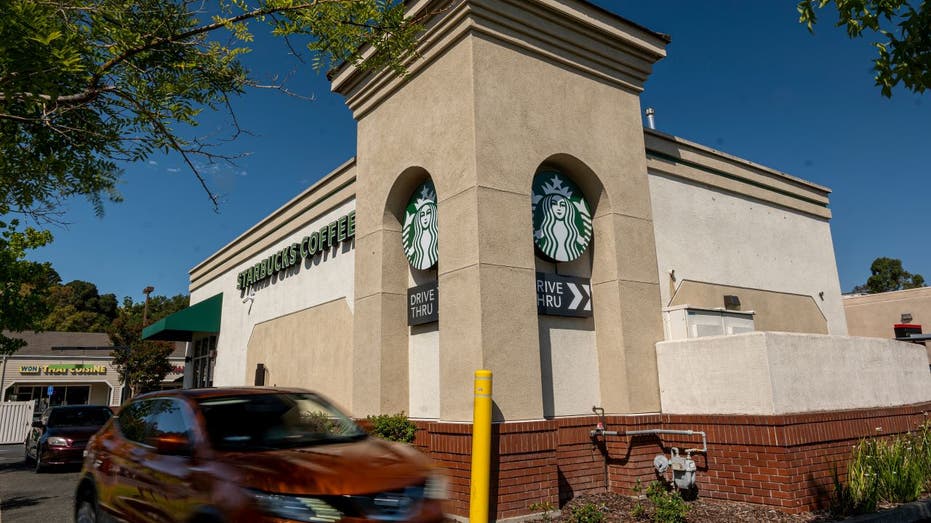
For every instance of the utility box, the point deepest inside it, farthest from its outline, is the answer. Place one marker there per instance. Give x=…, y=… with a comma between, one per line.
x=683, y=322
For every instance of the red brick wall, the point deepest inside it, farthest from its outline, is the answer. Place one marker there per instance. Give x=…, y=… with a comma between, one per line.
x=781, y=461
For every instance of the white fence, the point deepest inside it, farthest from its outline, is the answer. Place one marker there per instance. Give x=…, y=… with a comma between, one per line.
x=15, y=421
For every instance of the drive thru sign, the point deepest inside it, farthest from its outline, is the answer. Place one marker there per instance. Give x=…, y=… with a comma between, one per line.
x=563, y=295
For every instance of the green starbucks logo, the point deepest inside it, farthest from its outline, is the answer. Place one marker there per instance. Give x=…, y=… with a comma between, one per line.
x=562, y=223
x=420, y=233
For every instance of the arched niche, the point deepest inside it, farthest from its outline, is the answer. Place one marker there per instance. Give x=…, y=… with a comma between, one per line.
x=569, y=360
x=422, y=355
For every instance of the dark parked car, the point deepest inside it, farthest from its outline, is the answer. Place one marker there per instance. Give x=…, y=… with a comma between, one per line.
x=59, y=436
x=250, y=454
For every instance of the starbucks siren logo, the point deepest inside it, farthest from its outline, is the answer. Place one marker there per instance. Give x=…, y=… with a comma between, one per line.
x=419, y=235
x=562, y=223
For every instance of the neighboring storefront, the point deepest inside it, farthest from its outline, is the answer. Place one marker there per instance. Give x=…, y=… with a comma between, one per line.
x=897, y=314
x=507, y=210
x=69, y=368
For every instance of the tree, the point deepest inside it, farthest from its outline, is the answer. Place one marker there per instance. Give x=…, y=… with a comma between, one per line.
x=24, y=285
x=142, y=365
x=904, y=55
x=79, y=307
x=889, y=275
x=87, y=84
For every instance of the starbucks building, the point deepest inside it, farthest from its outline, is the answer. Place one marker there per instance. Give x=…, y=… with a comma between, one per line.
x=508, y=210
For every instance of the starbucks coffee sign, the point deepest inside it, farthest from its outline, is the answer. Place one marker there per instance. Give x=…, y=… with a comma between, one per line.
x=329, y=236
x=419, y=235
x=562, y=222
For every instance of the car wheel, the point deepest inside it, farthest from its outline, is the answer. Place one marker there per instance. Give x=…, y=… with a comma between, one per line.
x=27, y=458
x=87, y=512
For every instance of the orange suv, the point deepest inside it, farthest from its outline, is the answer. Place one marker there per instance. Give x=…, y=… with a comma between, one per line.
x=250, y=454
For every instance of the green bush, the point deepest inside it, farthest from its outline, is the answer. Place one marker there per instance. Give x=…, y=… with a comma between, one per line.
x=638, y=511
x=586, y=513
x=668, y=505
x=544, y=508
x=393, y=427
x=894, y=470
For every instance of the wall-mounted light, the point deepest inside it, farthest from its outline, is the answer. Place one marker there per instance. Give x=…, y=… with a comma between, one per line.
x=906, y=317
x=731, y=302
x=259, y=374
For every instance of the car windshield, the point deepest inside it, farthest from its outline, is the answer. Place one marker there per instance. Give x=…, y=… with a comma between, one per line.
x=82, y=417
x=274, y=421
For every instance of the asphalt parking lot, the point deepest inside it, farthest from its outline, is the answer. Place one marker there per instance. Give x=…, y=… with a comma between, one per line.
x=27, y=497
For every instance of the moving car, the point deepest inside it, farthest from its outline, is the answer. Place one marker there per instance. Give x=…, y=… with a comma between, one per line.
x=59, y=436
x=250, y=454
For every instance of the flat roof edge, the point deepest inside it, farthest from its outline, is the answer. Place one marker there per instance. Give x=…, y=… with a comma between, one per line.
x=316, y=187
x=735, y=159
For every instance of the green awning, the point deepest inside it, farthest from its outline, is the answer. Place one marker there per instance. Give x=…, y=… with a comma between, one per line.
x=180, y=326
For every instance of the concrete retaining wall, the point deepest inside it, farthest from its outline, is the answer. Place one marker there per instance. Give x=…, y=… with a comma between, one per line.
x=767, y=373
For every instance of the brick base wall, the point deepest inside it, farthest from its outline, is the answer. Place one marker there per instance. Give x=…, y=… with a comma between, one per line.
x=782, y=461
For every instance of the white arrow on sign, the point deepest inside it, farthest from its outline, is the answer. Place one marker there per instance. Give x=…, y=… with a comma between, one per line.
x=577, y=296
x=588, y=295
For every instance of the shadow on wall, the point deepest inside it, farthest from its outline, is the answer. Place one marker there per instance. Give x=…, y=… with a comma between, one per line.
x=566, y=493
x=566, y=357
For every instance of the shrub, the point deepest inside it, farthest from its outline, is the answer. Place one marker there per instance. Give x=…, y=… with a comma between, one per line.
x=586, y=513
x=393, y=427
x=668, y=505
x=544, y=508
x=638, y=511
x=896, y=470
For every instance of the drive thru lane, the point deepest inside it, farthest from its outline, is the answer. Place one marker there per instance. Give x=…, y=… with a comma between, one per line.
x=27, y=497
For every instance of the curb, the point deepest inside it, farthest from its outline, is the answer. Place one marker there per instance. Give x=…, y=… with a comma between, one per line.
x=909, y=512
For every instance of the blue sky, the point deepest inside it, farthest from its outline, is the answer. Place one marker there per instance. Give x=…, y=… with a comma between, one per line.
x=742, y=77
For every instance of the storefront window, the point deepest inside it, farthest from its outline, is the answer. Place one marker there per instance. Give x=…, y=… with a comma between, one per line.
x=61, y=395
x=205, y=350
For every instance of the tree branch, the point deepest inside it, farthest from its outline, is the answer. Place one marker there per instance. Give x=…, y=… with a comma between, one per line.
x=162, y=130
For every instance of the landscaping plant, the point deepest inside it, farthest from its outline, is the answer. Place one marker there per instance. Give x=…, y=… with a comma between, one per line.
x=393, y=427
x=586, y=513
x=544, y=508
x=894, y=470
x=668, y=505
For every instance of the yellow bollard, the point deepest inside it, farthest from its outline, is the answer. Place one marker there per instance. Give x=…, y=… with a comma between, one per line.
x=481, y=448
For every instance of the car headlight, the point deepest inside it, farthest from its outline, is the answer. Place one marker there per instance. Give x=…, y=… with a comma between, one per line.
x=437, y=487
x=297, y=508
x=56, y=441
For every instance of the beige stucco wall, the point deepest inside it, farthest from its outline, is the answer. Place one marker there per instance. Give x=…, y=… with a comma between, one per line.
x=779, y=373
x=322, y=279
x=422, y=130
x=424, y=372
x=503, y=89
x=721, y=237
x=874, y=315
x=307, y=349
x=491, y=108
x=774, y=311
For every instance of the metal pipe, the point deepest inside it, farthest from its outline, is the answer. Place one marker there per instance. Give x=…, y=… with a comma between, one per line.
x=704, y=439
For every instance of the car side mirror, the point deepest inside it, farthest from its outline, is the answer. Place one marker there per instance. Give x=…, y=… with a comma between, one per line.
x=175, y=444
x=38, y=424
